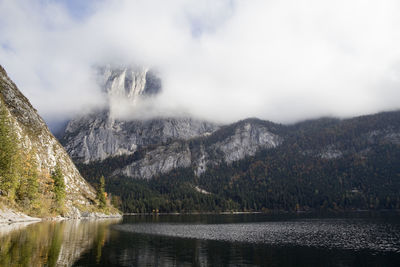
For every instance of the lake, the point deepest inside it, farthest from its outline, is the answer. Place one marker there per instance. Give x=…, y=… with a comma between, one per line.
x=355, y=239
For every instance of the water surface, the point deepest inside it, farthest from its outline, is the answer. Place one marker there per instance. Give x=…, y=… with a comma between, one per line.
x=356, y=239
x=50, y=243
x=253, y=240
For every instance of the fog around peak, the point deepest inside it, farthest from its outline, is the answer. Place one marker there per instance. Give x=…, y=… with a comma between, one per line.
x=221, y=60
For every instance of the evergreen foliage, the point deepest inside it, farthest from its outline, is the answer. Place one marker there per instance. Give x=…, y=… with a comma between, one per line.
x=59, y=187
x=18, y=169
x=101, y=193
x=8, y=155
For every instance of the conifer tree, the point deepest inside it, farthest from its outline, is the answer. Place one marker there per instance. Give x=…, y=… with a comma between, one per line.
x=59, y=186
x=101, y=193
x=8, y=155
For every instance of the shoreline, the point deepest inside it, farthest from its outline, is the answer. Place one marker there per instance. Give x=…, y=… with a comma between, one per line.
x=9, y=216
x=259, y=212
x=192, y=213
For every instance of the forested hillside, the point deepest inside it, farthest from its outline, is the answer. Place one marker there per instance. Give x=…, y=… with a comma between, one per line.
x=37, y=177
x=325, y=164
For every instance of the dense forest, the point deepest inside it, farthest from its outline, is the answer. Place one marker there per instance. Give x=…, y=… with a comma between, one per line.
x=325, y=164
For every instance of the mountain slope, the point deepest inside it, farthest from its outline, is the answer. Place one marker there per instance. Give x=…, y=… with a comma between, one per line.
x=175, y=164
x=149, y=147
x=318, y=164
x=322, y=164
x=100, y=134
x=34, y=138
x=226, y=145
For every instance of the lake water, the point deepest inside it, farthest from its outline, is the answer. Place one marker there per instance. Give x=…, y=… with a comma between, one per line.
x=357, y=239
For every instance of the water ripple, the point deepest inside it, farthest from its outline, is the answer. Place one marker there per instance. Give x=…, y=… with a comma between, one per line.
x=343, y=234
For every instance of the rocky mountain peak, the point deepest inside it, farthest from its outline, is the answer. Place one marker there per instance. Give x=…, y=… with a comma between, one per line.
x=128, y=83
x=104, y=133
x=165, y=142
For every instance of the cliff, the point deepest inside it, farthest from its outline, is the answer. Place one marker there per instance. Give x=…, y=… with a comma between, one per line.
x=167, y=142
x=34, y=137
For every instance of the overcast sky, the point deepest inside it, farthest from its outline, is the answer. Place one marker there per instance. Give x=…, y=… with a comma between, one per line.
x=223, y=60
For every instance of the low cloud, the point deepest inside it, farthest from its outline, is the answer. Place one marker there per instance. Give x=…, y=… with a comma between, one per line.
x=219, y=60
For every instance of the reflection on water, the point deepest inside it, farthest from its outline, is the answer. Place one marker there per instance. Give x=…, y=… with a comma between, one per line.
x=205, y=240
x=249, y=240
x=50, y=243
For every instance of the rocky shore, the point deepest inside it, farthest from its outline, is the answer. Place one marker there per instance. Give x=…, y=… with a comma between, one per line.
x=11, y=216
x=8, y=216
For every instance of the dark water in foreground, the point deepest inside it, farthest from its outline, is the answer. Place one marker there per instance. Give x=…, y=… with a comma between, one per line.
x=208, y=240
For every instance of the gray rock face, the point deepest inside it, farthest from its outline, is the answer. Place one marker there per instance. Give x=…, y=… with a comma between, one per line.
x=128, y=83
x=386, y=135
x=245, y=140
x=99, y=135
x=330, y=153
x=161, y=160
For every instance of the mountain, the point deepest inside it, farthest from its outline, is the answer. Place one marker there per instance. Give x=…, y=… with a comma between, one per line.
x=99, y=135
x=37, y=175
x=226, y=145
x=324, y=164
x=182, y=164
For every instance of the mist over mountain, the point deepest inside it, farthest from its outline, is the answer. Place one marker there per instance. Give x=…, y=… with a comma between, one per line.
x=270, y=127
x=124, y=124
x=219, y=61
x=151, y=87
x=179, y=163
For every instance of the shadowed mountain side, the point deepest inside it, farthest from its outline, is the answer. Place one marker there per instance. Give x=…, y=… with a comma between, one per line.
x=319, y=164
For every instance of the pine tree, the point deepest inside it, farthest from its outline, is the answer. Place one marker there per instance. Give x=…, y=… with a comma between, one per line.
x=101, y=193
x=8, y=155
x=59, y=186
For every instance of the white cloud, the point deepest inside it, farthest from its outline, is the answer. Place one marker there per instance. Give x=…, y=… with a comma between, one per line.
x=220, y=60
